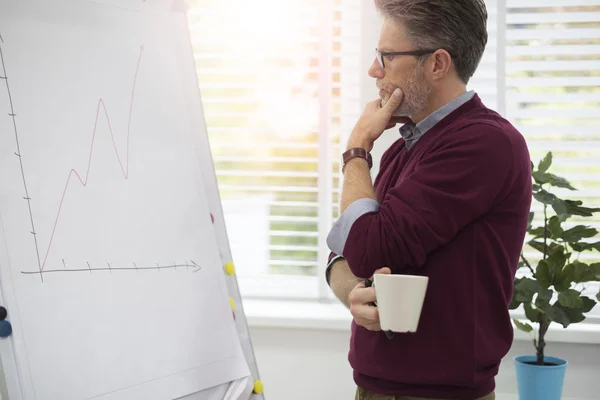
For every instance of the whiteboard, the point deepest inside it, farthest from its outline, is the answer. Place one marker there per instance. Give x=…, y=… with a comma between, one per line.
x=111, y=266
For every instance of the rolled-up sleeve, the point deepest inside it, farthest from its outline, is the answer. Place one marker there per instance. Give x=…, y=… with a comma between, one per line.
x=336, y=240
x=332, y=259
x=455, y=183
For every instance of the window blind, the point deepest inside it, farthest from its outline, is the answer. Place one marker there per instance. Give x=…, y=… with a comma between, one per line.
x=270, y=76
x=553, y=97
x=488, y=78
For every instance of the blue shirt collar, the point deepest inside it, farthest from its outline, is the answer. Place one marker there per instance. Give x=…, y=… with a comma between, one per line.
x=411, y=133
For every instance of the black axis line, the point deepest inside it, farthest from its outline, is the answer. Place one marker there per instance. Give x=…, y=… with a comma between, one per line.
x=116, y=269
x=19, y=155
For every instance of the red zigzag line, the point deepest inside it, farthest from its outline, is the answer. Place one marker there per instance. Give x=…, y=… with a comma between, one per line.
x=124, y=169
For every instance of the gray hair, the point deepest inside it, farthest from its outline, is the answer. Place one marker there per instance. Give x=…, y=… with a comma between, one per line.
x=457, y=26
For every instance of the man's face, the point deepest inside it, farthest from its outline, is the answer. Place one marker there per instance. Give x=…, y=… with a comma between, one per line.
x=400, y=71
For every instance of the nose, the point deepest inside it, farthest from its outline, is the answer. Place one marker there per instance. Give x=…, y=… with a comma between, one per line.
x=376, y=71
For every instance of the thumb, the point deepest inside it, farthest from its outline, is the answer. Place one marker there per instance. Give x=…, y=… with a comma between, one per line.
x=384, y=270
x=393, y=102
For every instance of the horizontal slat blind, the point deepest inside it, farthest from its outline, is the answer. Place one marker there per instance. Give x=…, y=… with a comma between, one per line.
x=485, y=80
x=553, y=97
x=270, y=75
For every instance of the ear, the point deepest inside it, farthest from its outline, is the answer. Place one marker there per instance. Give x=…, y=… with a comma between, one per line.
x=441, y=64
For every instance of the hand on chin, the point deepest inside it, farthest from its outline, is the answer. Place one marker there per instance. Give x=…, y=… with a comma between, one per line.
x=395, y=120
x=374, y=120
x=398, y=120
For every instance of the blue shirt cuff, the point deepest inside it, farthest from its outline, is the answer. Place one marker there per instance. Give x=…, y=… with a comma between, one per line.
x=328, y=269
x=336, y=240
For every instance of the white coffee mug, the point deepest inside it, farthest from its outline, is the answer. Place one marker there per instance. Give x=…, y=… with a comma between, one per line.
x=400, y=301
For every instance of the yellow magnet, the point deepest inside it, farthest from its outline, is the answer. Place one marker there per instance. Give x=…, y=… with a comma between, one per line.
x=258, y=387
x=230, y=268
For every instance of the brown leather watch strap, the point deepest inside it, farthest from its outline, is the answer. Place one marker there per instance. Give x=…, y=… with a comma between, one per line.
x=354, y=153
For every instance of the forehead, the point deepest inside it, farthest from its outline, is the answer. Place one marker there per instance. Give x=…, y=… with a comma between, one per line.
x=392, y=36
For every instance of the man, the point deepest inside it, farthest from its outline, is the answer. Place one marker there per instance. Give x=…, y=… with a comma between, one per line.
x=451, y=201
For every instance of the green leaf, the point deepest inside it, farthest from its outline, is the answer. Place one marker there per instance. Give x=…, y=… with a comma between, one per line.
x=598, y=296
x=558, y=315
x=575, y=315
x=540, y=177
x=513, y=304
x=557, y=181
x=556, y=261
x=565, y=316
x=543, y=298
x=593, y=246
x=560, y=208
x=537, y=232
x=579, y=247
x=523, y=326
x=570, y=299
x=531, y=313
x=577, y=233
x=538, y=245
x=574, y=208
x=545, y=197
x=525, y=289
x=554, y=227
x=595, y=269
x=564, y=278
x=587, y=273
x=542, y=274
x=579, y=270
x=531, y=215
x=545, y=163
x=588, y=304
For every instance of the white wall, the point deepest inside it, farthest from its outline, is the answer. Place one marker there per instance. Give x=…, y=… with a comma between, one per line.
x=301, y=364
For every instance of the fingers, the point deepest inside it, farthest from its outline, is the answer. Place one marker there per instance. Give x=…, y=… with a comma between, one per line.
x=362, y=295
x=366, y=316
x=361, y=308
x=373, y=105
x=398, y=120
x=393, y=102
x=384, y=270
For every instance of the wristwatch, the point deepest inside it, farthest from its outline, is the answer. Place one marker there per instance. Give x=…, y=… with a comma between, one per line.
x=354, y=153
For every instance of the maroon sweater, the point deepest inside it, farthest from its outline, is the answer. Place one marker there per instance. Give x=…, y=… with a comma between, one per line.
x=454, y=208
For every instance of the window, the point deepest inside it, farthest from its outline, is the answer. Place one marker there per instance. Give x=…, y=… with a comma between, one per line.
x=541, y=70
x=281, y=83
x=552, y=93
x=270, y=75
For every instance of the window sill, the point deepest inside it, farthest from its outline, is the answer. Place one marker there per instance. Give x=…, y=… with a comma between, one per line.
x=333, y=316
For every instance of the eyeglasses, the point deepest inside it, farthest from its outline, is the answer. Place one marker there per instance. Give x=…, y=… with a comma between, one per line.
x=381, y=55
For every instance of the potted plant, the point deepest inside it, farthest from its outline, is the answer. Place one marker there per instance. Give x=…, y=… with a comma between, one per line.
x=554, y=288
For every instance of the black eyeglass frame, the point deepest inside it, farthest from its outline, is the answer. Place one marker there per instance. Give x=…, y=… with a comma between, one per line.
x=418, y=53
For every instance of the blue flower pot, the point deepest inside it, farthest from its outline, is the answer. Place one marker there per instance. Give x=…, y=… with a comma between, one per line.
x=540, y=382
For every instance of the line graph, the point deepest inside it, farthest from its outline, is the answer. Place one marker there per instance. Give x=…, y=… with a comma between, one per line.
x=73, y=172
x=83, y=177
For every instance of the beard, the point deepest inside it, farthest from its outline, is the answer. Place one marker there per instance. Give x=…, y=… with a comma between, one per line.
x=416, y=94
